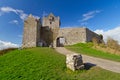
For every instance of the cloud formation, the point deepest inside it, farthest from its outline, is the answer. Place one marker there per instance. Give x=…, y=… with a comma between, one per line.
x=14, y=22
x=5, y=45
x=89, y=15
x=18, y=12
x=84, y=23
x=20, y=36
x=113, y=33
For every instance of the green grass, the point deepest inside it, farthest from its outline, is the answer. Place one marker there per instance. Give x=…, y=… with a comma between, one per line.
x=86, y=48
x=45, y=64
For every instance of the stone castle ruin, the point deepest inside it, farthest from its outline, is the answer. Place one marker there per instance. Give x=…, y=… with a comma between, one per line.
x=47, y=32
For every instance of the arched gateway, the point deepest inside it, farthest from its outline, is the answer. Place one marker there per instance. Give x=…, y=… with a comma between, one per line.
x=60, y=41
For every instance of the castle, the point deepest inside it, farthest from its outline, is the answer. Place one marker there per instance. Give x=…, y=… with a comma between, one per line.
x=48, y=33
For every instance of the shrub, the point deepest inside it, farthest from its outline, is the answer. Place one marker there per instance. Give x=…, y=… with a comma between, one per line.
x=95, y=41
x=4, y=51
x=113, y=44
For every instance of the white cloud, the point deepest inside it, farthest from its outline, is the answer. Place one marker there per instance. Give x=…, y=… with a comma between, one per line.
x=20, y=13
x=4, y=45
x=37, y=17
x=89, y=15
x=84, y=23
x=8, y=9
x=20, y=36
x=14, y=22
x=113, y=33
x=0, y=13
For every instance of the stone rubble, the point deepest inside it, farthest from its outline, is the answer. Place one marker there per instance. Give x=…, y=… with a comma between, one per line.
x=74, y=62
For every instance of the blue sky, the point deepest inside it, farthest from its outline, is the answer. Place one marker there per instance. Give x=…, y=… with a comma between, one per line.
x=101, y=16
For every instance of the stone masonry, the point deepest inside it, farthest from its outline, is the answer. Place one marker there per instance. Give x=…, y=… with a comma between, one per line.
x=47, y=32
x=77, y=35
x=74, y=62
x=31, y=35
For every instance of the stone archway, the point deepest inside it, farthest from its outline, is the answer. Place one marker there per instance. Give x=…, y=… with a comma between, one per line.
x=60, y=41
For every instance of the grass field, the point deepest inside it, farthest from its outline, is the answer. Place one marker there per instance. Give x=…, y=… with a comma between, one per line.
x=45, y=64
x=86, y=48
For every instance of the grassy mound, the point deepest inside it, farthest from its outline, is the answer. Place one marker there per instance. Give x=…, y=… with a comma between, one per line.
x=86, y=48
x=45, y=64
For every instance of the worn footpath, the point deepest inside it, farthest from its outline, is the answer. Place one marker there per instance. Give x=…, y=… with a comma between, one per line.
x=103, y=63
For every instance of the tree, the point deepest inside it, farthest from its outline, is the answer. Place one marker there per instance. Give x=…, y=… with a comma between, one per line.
x=113, y=44
x=95, y=41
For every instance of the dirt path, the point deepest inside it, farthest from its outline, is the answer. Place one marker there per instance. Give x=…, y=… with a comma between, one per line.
x=103, y=63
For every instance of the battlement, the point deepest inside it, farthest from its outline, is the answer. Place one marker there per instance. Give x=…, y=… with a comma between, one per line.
x=51, y=21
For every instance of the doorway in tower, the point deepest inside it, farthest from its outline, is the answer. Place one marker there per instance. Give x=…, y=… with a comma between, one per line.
x=60, y=42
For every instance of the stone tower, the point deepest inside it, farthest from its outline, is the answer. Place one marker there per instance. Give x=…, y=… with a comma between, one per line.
x=51, y=21
x=31, y=34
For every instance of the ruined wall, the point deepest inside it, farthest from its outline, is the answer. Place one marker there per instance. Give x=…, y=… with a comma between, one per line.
x=77, y=35
x=46, y=36
x=50, y=26
x=90, y=35
x=51, y=21
x=31, y=34
x=39, y=25
x=73, y=35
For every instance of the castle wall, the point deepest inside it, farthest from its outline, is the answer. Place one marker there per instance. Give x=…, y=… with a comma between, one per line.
x=31, y=35
x=77, y=35
x=39, y=25
x=73, y=35
x=50, y=27
x=90, y=35
x=46, y=36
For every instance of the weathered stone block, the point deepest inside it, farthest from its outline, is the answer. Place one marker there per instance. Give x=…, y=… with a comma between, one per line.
x=74, y=62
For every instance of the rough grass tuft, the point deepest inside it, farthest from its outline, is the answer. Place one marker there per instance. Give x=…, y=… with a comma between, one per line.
x=87, y=48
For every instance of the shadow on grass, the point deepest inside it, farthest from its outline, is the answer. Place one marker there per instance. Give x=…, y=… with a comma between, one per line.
x=89, y=65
